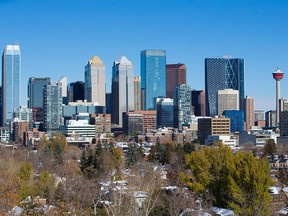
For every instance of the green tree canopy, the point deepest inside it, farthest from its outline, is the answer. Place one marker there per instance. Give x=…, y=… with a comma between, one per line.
x=238, y=181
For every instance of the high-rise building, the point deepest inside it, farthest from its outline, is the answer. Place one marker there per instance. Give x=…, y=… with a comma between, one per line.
x=35, y=96
x=236, y=119
x=228, y=99
x=259, y=114
x=222, y=73
x=52, y=96
x=122, y=89
x=153, y=76
x=108, y=103
x=137, y=93
x=175, y=75
x=63, y=83
x=283, y=104
x=76, y=91
x=11, y=82
x=165, y=108
x=270, y=118
x=182, y=106
x=102, y=123
x=95, y=81
x=249, y=115
x=198, y=102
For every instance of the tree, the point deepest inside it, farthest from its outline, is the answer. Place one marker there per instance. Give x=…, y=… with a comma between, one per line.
x=238, y=181
x=269, y=147
x=133, y=154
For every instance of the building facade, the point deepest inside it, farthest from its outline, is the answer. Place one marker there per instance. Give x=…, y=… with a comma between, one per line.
x=35, y=96
x=137, y=93
x=198, y=102
x=165, y=115
x=11, y=82
x=228, y=99
x=175, y=75
x=222, y=73
x=76, y=91
x=102, y=123
x=153, y=76
x=249, y=115
x=95, y=81
x=270, y=118
x=122, y=89
x=236, y=120
x=52, y=96
x=182, y=106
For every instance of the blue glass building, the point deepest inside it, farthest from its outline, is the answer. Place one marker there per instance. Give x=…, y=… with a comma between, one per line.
x=153, y=76
x=182, y=106
x=11, y=81
x=165, y=112
x=236, y=119
x=222, y=73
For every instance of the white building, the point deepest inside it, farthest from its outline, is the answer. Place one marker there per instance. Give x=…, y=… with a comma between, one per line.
x=228, y=99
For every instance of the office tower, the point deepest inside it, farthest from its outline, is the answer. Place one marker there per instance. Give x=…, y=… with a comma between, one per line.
x=109, y=103
x=52, y=96
x=35, y=96
x=212, y=126
x=137, y=93
x=270, y=118
x=228, y=99
x=153, y=76
x=182, y=106
x=249, y=117
x=175, y=75
x=198, y=102
x=11, y=81
x=76, y=91
x=222, y=73
x=283, y=123
x=277, y=75
x=63, y=83
x=283, y=104
x=165, y=108
x=122, y=89
x=236, y=119
x=95, y=81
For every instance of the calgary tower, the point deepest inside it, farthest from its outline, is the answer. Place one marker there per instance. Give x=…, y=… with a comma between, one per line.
x=277, y=75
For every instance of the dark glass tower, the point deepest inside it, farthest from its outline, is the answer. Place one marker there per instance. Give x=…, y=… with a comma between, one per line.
x=222, y=73
x=35, y=96
x=153, y=76
x=165, y=112
x=76, y=91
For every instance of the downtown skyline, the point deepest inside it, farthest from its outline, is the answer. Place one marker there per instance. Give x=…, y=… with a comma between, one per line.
x=57, y=38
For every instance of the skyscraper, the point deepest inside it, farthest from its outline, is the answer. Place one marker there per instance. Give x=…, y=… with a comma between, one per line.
x=63, y=83
x=11, y=81
x=249, y=115
x=228, y=99
x=122, y=89
x=137, y=93
x=222, y=73
x=76, y=91
x=95, y=81
x=153, y=76
x=175, y=75
x=165, y=108
x=198, y=102
x=52, y=96
x=182, y=106
x=35, y=96
x=236, y=119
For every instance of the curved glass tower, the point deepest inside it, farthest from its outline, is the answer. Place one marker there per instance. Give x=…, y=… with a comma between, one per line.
x=222, y=73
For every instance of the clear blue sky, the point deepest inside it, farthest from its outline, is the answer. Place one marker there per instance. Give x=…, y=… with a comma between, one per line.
x=57, y=37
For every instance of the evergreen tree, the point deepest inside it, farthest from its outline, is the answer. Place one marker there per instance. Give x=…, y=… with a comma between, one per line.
x=270, y=147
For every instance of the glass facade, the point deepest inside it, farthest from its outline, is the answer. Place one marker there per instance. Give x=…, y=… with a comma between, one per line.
x=236, y=119
x=11, y=81
x=153, y=76
x=52, y=107
x=222, y=73
x=122, y=89
x=182, y=106
x=165, y=112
